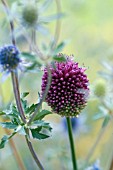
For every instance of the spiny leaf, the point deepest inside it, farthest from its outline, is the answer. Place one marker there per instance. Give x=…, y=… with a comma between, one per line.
x=24, y=94
x=29, y=56
x=59, y=48
x=50, y=18
x=37, y=135
x=42, y=114
x=31, y=109
x=59, y=58
x=4, y=140
x=2, y=113
x=106, y=121
x=8, y=125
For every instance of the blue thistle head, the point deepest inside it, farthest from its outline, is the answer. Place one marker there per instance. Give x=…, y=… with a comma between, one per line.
x=9, y=57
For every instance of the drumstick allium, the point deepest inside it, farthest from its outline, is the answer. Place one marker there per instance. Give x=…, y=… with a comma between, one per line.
x=69, y=87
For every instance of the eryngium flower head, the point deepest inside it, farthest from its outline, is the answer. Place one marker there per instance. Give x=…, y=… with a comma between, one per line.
x=100, y=88
x=69, y=89
x=30, y=15
x=9, y=57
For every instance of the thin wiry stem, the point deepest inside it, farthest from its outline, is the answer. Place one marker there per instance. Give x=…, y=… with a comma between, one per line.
x=11, y=142
x=32, y=151
x=43, y=97
x=18, y=101
x=10, y=21
x=17, y=95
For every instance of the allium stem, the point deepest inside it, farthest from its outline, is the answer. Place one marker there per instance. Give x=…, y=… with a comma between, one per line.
x=70, y=133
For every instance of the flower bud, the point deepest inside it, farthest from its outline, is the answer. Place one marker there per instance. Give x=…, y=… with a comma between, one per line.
x=100, y=88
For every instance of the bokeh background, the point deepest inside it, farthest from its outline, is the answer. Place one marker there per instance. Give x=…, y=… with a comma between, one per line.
x=87, y=27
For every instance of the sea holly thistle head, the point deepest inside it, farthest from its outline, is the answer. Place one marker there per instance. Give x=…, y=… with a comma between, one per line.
x=29, y=15
x=69, y=88
x=9, y=58
x=100, y=89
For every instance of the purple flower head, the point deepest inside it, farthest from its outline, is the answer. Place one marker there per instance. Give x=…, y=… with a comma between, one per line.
x=9, y=57
x=69, y=89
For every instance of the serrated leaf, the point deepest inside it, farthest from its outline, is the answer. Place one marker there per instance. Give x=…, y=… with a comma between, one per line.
x=37, y=135
x=42, y=114
x=59, y=58
x=51, y=18
x=43, y=30
x=31, y=109
x=59, y=48
x=4, y=140
x=98, y=116
x=24, y=94
x=45, y=5
x=29, y=56
x=2, y=113
x=41, y=123
x=8, y=125
x=106, y=121
x=14, y=110
x=24, y=103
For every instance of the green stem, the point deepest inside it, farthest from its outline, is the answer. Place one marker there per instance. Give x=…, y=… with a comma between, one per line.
x=70, y=133
x=14, y=77
x=32, y=151
x=43, y=97
x=20, y=109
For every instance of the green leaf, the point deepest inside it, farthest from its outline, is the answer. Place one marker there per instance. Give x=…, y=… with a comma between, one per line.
x=106, y=121
x=4, y=140
x=2, y=113
x=40, y=123
x=31, y=109
x=37, y=135
x=50, y=18
x=14, y=110
x=59, y=58
x=45, y=5
x=59, y=48
x=24, y=103
x=24, y=94
x=32, y=58
x=98, y=116
x=42, y=114
x=29, y=56
x=8, y=125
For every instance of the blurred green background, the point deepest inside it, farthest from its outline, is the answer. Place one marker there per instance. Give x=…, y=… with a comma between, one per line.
x=88, y=28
